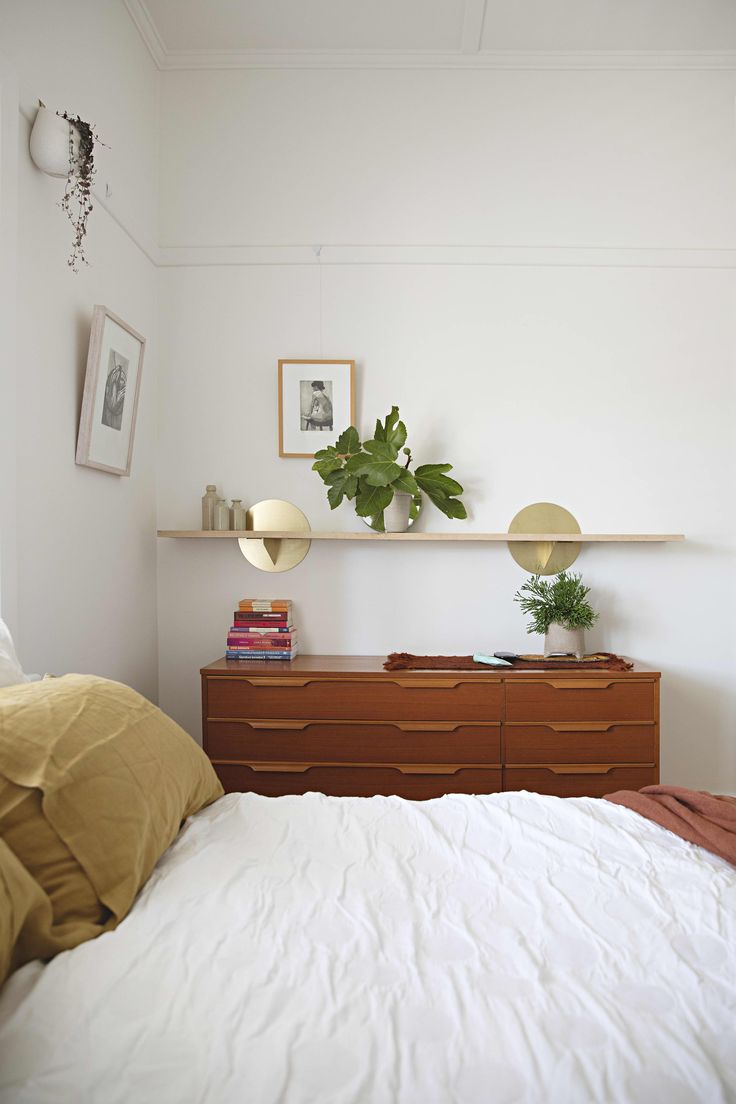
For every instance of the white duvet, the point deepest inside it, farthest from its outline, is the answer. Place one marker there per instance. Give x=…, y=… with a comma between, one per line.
x=467, y=950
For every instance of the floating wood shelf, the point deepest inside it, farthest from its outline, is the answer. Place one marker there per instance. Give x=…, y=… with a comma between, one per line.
x=506, y=538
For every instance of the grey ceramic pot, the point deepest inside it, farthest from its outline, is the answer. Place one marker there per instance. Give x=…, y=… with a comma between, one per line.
x=561, y=641
x=396, y=514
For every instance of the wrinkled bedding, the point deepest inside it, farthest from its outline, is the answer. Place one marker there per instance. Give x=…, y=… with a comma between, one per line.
x=467, y=950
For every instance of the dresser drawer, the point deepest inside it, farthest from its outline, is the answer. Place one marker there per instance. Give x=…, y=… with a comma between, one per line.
x=580, y=742
x=400, y=742
x=563, y=781
x=395, y=699
x=354, y=781
x=590, y=699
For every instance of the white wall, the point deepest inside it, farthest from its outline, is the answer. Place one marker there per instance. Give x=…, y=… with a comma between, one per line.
x=8, y=341
x=85, y=581
x=534, y=266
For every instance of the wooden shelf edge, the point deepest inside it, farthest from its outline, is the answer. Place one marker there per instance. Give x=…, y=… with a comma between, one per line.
x=575, y=538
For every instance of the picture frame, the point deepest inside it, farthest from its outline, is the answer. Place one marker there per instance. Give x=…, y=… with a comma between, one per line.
x=312, y=417
x=111, y=390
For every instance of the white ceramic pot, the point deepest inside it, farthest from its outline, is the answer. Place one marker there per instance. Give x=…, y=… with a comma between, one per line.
x=49, y=143
x=561, y=641
x=396, y=514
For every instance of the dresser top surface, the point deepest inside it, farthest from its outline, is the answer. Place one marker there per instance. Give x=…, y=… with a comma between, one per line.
x=352, y=665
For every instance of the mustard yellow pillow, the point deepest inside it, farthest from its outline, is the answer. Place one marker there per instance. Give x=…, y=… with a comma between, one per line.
x=95, y=782
x=24, y=911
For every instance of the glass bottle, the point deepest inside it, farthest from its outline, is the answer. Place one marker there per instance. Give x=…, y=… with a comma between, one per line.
x=209, y=500
x=237, y=515
x=222, y=515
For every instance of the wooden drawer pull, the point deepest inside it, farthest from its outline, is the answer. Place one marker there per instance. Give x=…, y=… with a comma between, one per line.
x=580, y=770
x=578, y=684
x=579, y=726
x=425, y=726
x=443, y=768
x=297, y=725
x=427, y=684
x=279, y=682
x=280, y=768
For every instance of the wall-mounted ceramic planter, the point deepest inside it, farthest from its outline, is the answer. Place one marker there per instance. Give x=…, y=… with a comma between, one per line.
x=50, y=142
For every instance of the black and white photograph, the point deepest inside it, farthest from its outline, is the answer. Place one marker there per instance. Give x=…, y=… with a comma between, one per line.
x=316, y=403
x=111, y=389
x=114, y=397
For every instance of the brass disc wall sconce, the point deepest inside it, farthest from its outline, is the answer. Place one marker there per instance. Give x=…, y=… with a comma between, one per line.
x=546, y=556
x=275, y=553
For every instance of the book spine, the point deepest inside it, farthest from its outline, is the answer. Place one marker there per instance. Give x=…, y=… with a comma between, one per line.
x=283, y=641
x=257, y=634
x=260, y=617
x=259, y=655
x=264, y=607
x=261, y=645
x=261, y=626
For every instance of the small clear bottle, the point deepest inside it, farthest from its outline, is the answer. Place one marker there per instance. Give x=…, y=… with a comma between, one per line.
x=222, y=515
x=237, y=515
x=209, y=501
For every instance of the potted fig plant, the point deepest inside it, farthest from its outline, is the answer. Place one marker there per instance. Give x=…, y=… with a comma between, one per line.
x=385, y=491
x=559, y=610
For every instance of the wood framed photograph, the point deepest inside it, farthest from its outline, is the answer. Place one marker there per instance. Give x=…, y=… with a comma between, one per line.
x=111, y=388
x=316, y=403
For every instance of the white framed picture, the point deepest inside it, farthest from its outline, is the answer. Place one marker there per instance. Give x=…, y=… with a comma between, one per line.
x=316, y=403
x=111, y=389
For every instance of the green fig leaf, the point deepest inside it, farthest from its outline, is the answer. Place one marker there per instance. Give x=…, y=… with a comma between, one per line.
x=372, y=500
x=325, y=468
x=378, y=473
x=381, y=450
x=348, y=442
x=342, y=484
x=431, y=478
x=405, y=482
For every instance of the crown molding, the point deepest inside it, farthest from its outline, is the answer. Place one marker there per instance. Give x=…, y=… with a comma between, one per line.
x=474, y=17
x=467, y=58
x=497, y=60
x=148, y=31
x=513, y=256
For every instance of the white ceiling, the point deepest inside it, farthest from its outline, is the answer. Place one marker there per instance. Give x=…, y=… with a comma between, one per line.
x=308, y=24
x=202, y=27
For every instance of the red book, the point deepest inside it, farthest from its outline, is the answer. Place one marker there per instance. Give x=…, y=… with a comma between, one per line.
x=261, y=642
x=262, y=615
x=258, y=624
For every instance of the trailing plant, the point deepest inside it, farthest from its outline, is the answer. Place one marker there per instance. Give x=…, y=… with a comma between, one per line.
x=563, y=600
x=77, y=198
x=369, y=472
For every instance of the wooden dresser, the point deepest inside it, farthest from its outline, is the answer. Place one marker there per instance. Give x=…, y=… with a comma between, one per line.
x=344, y=726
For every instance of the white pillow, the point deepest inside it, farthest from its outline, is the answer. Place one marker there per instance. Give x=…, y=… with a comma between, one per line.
x=11, y=671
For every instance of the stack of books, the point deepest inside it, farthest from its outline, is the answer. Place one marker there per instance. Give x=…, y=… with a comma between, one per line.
x=262, y=628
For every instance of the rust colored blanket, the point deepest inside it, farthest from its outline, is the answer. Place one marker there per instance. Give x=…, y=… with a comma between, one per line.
x=600, y=661
x=698, y=817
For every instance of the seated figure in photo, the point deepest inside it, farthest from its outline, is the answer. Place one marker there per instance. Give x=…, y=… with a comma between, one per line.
x=320, y=412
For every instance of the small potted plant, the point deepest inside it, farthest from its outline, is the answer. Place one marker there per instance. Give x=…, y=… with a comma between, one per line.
x=560, y=610
x=384, y=490
x=63, y=145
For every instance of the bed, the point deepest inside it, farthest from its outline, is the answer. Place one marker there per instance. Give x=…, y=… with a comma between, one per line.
x=463, y=950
